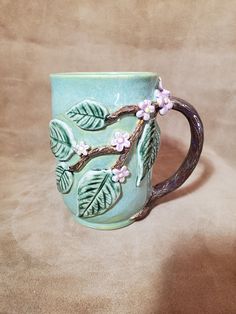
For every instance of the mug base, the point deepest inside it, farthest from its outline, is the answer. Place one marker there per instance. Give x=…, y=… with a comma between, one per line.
x=100, y=226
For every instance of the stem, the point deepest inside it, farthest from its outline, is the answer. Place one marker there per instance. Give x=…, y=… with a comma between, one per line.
x=131, y=109
x=113, y=117
x=98, y=151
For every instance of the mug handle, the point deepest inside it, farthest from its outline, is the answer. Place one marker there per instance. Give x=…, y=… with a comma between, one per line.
x=189, y=163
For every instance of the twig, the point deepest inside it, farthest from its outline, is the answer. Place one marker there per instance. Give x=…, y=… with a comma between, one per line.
x=113, y=117
x=98, y=151
x=131, y=109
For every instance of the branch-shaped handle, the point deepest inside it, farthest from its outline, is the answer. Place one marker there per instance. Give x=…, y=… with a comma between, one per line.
x=189, y=163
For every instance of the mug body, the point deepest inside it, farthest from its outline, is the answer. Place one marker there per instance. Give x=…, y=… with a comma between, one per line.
x=111, y=91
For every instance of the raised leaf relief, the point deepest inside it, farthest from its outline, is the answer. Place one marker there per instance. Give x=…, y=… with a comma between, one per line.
x=64, y=178
x=61, y=139
x=88, y=115
x=97, y=193
x=147, y=149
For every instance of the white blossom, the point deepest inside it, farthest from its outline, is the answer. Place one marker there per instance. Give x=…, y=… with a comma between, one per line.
x=119, y=175
x=81, y=148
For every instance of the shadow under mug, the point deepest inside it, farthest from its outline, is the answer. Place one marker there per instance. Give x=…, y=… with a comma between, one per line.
x=105, y=137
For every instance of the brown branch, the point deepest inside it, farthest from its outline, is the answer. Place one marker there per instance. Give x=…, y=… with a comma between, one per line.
x=131, y=109
x=133, y=138
x=113, y=117
x=98, y=151
x=108, y=150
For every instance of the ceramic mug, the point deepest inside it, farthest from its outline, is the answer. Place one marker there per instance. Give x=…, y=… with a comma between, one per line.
x=105, y=137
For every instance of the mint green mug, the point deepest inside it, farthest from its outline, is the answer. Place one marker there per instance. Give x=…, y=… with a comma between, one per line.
x=105, y=138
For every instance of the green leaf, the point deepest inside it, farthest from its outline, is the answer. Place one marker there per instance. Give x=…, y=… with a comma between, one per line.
x=62, y=140
x=88, y=115
x=147, y=149
x=64, y=178
x=97, y=193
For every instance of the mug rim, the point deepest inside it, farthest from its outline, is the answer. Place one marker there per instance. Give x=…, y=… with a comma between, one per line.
x=104, y=74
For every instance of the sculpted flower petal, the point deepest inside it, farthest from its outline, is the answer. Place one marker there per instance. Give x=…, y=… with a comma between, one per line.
x=126, y=173
x=157, y=93
x=169, y=105
x=120, y=141
x=119, y=147
x=113, y=142
x=126, y=143
x=142, y=105
x=165, y=92
x=122, y=179
x=166, y=100
x=163, y=111
x=81, y=148
x=152, y=108
x=115, y=179
x=146, y=116
x=126, y=135
x=120, y=175
x=115, y=171
x=160, y=102
x=139, y=114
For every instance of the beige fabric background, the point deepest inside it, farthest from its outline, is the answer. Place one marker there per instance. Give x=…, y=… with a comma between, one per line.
x=180, y=259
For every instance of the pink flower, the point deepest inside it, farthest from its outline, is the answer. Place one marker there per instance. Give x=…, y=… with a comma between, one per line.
x=119, y=175
x=146, y=108
x=120, y=140
x=163, y=99
x=81, y=148
x=167, y=106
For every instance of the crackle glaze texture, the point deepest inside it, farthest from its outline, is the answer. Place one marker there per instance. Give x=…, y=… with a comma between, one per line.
x=113, y=91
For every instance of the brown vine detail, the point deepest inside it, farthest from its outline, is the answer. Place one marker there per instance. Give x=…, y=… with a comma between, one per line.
x=133, y=138
x=99, y=151
x=108, y=150
x=131, y=109
x=113, y=117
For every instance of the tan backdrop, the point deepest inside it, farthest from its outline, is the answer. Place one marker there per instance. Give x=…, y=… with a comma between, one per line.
x=182, y=258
